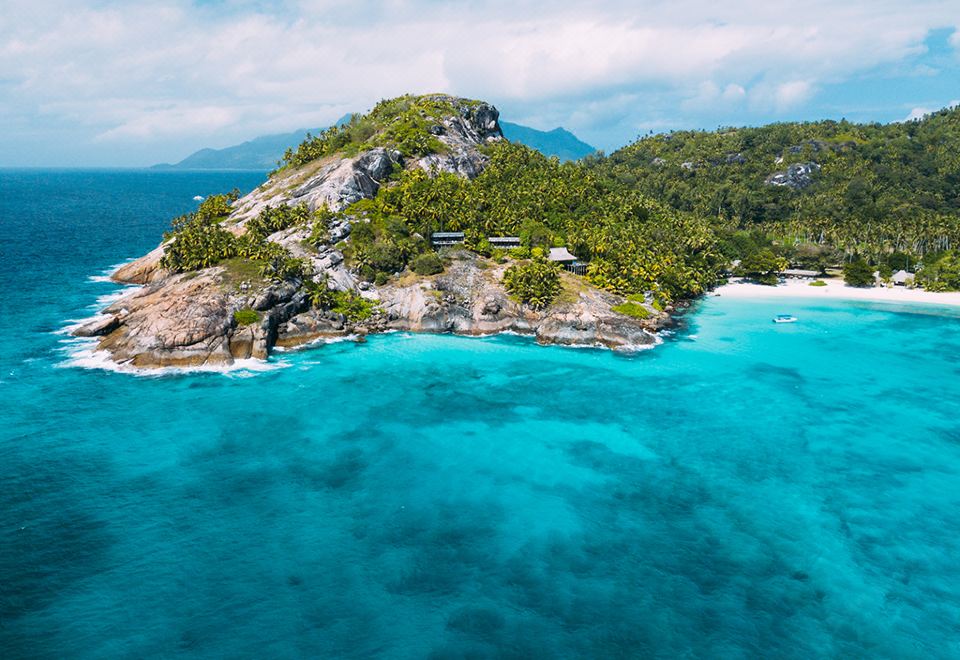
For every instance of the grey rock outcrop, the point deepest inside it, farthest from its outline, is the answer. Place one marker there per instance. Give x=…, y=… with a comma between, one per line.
x=337, y=182
x=144, y=270
x=797, y=176
x=468, y=298
x=188, y=320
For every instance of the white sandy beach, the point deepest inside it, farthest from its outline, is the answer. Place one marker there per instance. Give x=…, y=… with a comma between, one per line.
x=836, y=290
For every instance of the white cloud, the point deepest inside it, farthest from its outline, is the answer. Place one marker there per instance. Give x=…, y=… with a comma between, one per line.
x=171, y=73
x=917, y=113
x=790, y=94
x=920, y=112
x=162, y=122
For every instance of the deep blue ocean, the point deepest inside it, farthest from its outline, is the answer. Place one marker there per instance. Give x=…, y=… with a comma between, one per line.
x=745, y=490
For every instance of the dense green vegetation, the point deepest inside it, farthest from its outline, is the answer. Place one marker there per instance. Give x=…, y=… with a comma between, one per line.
x=881, y=192
x=354, y=307
x=762, y=265
x=198, y=240
x=535, y=282
x=858, y=273
x=942, y=273
x=631, y=242
x=632, y=308
x=427, y=264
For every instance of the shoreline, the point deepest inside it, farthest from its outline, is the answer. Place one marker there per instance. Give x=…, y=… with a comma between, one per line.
x=835, y=289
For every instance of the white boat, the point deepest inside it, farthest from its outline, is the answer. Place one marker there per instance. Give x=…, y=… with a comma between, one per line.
x=784, y=318
x=198, y=198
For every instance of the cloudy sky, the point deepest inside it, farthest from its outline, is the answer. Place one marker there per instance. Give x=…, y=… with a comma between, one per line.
x=103, y=83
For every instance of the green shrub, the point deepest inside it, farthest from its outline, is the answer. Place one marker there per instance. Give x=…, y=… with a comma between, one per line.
x=762, y=266
x=353, y=306
x=818, y=283
x=320, y=294
x=632, y=309
x=535, y=282
x=428, y=263
x=858, y=273
x=246, y=316
x=941, y=273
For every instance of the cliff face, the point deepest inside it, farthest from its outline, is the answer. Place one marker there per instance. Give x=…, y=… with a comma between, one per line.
x=189, y=318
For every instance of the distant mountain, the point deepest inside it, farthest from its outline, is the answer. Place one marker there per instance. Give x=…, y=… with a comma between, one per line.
x=559, y=142
x=262, y=153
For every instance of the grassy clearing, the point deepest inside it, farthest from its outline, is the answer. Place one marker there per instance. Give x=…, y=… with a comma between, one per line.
x=632, y=309
x=240, y=269
x=246, y=316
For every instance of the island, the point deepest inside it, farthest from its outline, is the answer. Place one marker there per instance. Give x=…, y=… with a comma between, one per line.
x=339, y=242
x=419, y=216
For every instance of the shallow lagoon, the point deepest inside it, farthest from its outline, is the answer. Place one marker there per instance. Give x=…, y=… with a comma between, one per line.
x=744, y=489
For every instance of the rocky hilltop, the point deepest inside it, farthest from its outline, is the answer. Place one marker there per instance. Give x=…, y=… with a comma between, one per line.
x=242, y=306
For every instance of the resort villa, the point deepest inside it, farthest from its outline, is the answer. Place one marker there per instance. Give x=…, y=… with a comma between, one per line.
x=562, y=256
x=801, y=273
x=446, y=238
x=558, y=255
x=903, y=278
x=504, y=242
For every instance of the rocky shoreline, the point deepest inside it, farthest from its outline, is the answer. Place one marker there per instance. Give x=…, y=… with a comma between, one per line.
x=187, y=320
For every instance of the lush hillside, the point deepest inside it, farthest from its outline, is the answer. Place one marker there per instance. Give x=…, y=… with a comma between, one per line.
x=869, y=190
x=663, y=217
x=485, y=187
x=632, y=243
x=559, y=142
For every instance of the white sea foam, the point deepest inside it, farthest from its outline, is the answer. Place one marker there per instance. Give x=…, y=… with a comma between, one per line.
x=104, y=275
x=81, y=352
x=319, y=341
x=108, y=299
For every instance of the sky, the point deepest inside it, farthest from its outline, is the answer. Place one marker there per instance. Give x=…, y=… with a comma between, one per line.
x=101, y=83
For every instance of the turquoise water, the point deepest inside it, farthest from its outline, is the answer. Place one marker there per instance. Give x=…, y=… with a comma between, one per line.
x=744, y=490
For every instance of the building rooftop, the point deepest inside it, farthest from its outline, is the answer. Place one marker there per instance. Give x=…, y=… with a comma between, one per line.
x=560, y=254
x=902, y=276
